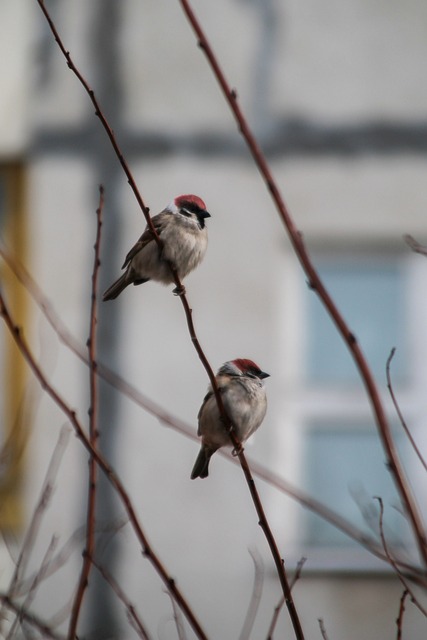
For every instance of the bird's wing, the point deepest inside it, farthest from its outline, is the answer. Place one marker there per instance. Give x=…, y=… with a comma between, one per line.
x=210, y=394
x=159, y=222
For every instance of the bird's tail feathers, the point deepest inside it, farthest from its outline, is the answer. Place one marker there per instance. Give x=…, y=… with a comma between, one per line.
x=116, y=288
x=201, y=466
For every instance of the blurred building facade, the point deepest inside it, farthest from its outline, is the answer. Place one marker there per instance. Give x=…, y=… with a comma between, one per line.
x=337, y=97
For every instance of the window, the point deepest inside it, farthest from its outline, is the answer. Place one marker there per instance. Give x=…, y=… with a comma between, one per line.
x=343, y=457
x=12, y=368
x=370, y=294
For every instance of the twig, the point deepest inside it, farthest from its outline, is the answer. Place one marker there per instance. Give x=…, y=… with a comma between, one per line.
x=298, y=571
x=255, y=597
x=39, y=511
x=37, y=579
x=317, y=285
x=30, y=618
x=54, y=564
x=16, y=586
x=263, y=523
x=279, y=606
x=131, y=611
x=399, y=413
x=322, y=629
x=414, y=245
x=93, y=431
x=392, y=562
x=59, y=560
x=99, y=113
x=399, y=621
x=180, y=630
x=115, y=481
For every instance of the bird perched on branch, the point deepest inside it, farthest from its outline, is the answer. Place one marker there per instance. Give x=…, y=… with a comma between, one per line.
x=240, y=383
x=181, y=227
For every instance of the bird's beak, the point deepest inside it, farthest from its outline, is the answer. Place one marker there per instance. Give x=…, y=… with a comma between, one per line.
x=263, y=375
x=205, y=214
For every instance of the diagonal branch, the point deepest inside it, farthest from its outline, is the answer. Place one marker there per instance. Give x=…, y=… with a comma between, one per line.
x=399, y=412
x=399, y=621
x=29, y=618
x=278, y=607
x=392, y=561
x=322, y=629
x=132, y=613
x=416, y=246
x=257, y=588
x=36, y=519
x=317, y=285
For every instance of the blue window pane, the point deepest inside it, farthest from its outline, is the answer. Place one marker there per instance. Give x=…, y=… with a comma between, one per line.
x=371, y=298
x=344, y=468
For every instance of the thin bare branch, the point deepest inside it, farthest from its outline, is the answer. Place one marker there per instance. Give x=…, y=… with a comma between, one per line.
x=35, y=522
x=414, y=245
x=179, y=623
x=322, y=629
x=278, y=560
x=115, y=481
x=298, y=571
x=399, y=621
x=399, y=413
x=279, y=605
x=55, y=563
x=30, y=618
x=131, y=611
x=317, y=285
x=37, y=579
x=93, y=431
x=392, y=561
x=255, y=597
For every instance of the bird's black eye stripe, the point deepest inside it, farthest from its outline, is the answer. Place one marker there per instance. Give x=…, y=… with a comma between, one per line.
x=189, y=209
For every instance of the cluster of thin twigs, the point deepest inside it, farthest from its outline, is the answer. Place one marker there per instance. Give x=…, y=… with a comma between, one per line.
x=97, y=461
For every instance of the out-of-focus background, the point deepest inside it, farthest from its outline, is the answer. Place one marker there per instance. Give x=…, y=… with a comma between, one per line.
x=336, y=93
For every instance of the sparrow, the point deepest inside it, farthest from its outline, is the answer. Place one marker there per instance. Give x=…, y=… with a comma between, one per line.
x=181, y=226
x=240, y=383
